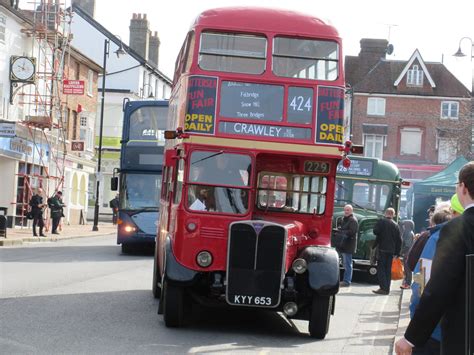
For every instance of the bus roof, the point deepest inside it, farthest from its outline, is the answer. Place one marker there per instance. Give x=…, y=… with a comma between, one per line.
x=257, y=19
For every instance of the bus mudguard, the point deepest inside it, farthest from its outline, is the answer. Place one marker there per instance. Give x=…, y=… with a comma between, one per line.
x=323, y=269
x=174, y=271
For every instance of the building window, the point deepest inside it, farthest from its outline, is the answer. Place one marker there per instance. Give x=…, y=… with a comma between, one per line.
x=90, y=82
x=410, y=141
x=86, y=134
x=373, y=145
x=450, y=109
x=376, y=106
x=3, y=25
x=447, y=150
x=415, y=76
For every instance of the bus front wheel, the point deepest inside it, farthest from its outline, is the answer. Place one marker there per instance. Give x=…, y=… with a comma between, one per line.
x=320, y=316
x=173, y=305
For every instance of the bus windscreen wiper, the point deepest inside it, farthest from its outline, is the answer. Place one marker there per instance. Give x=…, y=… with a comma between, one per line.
x=146, y=209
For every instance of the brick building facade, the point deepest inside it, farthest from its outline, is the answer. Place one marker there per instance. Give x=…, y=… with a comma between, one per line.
x=413, y=113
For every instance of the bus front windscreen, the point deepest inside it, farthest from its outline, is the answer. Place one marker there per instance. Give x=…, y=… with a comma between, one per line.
x=141, y=191
x=219, y=182
x=371, y=196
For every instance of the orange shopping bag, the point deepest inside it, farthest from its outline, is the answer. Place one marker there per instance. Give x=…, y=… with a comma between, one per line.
x=397, y=269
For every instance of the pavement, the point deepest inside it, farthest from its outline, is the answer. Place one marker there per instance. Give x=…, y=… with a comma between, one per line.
x=18, y=236
x=404, y=317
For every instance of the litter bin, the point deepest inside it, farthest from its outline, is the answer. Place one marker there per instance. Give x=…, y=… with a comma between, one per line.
x=3, y=222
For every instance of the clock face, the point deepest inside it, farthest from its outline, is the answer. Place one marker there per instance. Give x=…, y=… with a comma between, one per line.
x=23, y=69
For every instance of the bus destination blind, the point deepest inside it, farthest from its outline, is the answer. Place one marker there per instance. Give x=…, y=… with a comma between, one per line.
x=358, y=167
x=251, y=101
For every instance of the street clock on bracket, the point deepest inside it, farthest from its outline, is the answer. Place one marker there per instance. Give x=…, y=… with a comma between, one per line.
x=22, y=69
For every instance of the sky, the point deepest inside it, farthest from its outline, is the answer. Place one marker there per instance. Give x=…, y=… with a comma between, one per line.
x=435, y=28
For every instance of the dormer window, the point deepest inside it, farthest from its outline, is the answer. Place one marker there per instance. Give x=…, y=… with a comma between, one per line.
x=415, y=76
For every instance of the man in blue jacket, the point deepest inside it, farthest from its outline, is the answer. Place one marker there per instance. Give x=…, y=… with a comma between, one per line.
x=444, y=298
x=438, y=219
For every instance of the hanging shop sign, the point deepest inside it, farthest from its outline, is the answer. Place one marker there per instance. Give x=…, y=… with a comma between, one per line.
x=77, y=146
x=73, y=87
x=7, y=130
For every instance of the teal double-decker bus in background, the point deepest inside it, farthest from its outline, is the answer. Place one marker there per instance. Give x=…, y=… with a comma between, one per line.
x=141, y=166
x=371, y=186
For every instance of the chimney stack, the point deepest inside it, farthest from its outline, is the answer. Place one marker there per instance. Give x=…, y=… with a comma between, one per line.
x=139, y=35
x=154, y=50
x=87, y=5
x=371, y=51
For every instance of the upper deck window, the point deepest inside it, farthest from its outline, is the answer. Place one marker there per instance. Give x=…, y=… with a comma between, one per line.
x=232, y=53
x=305, y=59
x=148, y=123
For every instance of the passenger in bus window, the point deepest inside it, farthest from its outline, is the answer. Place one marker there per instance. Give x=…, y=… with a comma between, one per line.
x=199, y=194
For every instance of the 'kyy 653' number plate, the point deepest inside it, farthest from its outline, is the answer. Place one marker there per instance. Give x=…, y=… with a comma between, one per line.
x=251, y=300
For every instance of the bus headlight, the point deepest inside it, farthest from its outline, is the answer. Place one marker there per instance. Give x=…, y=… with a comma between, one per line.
x=299, y=266
x=128, y=228
x=204, y=259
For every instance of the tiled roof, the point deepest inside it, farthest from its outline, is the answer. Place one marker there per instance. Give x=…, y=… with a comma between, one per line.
x=381, y=78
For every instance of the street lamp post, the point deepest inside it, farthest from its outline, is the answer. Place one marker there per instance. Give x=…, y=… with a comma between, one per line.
x=119, y=52
x=459, y=54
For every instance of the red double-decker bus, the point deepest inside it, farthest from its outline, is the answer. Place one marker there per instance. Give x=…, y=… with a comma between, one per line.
x=255, y=132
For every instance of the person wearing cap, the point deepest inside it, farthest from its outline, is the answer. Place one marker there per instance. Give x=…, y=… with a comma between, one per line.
x=56, y=205
x=444, y=297
x=456, y=208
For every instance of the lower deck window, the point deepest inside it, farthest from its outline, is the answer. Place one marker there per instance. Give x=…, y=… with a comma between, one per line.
x=292, y=193
x=217, y=199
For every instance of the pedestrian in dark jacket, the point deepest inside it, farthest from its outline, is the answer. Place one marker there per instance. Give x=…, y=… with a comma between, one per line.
x=444, y=297
x=407, y=242
x=388, y=242
x=348, y=243
x=37, y=206
x=56, y=205
x=114, y=205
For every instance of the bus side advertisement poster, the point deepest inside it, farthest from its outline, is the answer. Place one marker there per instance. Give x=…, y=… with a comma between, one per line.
x=330, y=119
x=201, y=107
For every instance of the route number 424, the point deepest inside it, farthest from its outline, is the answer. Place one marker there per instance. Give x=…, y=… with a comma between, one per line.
x=298, y=103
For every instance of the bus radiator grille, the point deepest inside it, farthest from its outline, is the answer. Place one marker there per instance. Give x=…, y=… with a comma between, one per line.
x=255, y=265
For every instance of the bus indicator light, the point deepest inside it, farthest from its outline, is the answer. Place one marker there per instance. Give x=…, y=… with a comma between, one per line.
x=346, y=163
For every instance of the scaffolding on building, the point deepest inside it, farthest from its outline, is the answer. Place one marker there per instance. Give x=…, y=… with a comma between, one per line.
x=42, y=105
